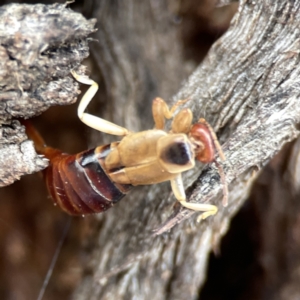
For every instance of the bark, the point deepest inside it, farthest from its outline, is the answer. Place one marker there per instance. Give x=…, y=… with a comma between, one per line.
x=39, y=46
x=246, y=88
x=220, y=3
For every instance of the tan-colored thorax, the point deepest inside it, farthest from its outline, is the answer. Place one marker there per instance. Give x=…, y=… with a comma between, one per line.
x=155, y=156
x=142, y=158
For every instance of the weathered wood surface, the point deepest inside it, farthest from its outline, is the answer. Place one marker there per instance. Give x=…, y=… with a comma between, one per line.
x=247, y=88
x=39, y=46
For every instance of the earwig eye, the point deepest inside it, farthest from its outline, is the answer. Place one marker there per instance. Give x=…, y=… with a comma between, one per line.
x=201, y=133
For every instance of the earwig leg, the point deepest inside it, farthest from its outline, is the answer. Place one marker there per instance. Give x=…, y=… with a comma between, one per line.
x=208, y=209
x=182, y=122
x=90, y=120
x=160, y=111
x=103, y=125
x=178, y=190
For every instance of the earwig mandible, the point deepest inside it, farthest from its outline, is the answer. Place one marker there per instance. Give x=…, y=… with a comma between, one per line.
x=94, y=180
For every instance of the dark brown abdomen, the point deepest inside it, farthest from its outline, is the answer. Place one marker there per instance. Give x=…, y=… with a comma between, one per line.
x=79, y=184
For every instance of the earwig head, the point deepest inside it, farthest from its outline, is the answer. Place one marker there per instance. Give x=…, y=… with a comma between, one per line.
x=203, y=141
x=205, y=144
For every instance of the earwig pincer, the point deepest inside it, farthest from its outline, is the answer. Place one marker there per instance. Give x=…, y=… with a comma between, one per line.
x=94, y=180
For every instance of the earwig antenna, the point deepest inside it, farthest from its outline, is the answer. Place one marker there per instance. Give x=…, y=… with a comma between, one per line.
x=120, y=268
x=222, y=157
x=224, y=183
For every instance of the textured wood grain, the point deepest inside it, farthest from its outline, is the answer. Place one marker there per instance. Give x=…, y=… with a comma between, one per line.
x=39, y=46
x=247, y=88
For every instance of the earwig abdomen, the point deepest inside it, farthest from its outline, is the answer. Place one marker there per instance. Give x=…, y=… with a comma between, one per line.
x=79, y=184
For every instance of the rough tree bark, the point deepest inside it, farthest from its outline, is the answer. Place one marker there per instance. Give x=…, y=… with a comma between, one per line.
x=39, y=45
x=246, y=88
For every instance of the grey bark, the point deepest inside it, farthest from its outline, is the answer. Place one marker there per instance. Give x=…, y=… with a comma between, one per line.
x=39, y=46
x=248, y=90
x=220, y=3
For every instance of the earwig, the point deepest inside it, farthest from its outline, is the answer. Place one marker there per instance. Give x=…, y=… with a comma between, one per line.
x=77, y=183
x=94, y=180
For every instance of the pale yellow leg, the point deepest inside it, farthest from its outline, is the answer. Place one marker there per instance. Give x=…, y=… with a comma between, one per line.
x=182, y=122
x=178, y=190
x=90, y=120
x=160, y=111
x=208, y=209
